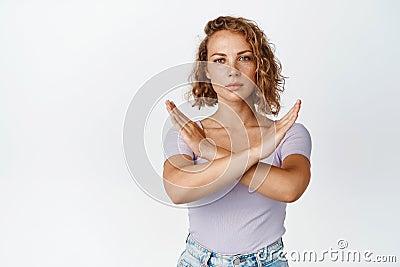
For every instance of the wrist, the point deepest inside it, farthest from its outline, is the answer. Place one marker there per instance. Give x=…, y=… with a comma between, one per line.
x=208, y=149
x=254, y=153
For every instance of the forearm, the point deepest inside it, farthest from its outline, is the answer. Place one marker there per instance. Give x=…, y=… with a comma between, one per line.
x=276, y=183
x=190, y=183
x=215, y=152
x=282, y=184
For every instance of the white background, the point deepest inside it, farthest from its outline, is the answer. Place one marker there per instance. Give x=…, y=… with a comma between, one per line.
x=68, y=70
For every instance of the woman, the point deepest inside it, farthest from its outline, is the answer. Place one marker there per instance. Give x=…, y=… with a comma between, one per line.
x=219, y=161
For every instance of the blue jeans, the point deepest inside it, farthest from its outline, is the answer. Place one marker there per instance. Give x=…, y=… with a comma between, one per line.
x=195, y=255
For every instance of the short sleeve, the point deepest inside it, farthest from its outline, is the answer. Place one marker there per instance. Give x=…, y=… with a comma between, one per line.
x=296, y=141
x=173, y=144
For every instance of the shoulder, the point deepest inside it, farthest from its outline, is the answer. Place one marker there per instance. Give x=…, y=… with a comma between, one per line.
x=297, y=129
x=296, y=141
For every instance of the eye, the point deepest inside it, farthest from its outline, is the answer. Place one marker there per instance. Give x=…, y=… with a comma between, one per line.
x=244, y=58
x=219, y=60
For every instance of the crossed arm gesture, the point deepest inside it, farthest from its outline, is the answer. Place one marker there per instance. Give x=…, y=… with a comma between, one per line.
x=185, y=182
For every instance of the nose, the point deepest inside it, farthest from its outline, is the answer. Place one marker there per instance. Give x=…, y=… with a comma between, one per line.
x=233, y=71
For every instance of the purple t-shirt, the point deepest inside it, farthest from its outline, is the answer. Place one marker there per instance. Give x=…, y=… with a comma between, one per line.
x=240, y=221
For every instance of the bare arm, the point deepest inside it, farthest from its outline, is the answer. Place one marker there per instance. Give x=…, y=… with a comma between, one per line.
x=185, y=182
x=285, y=184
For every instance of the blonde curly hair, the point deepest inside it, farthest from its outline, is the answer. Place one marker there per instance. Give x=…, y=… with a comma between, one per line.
x=268, y=68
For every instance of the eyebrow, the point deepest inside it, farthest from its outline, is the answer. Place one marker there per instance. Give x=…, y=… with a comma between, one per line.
x=222, y=54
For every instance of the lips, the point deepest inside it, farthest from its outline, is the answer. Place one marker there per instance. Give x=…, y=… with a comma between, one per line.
x=234, y=86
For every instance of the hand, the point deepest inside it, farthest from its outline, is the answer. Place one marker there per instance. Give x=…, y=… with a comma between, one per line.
x=192, y=134
x=272, y=136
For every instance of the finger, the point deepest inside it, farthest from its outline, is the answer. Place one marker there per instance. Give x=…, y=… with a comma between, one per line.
x=182, y=118
x=288, y=121
x=284, y=126
x=171, y=104
x=168, y=106
x=176, y=124
x=292, y=113
x=179, y=113
x=174, y=112
x=175, y=118
x=295, y=107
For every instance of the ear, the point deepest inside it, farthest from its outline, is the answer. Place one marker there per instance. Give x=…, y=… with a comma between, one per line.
x=207, y=74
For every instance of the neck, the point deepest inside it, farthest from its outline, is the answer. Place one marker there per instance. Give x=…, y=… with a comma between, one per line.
x=229, y=114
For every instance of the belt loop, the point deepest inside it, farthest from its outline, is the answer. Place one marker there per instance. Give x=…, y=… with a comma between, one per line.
x=187, y=237
x=262, y=253
x=206, y=259
x=259, y=263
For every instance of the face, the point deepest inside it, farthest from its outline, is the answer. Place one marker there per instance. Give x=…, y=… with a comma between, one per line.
x=231, y=66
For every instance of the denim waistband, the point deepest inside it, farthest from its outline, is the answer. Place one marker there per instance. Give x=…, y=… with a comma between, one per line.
x=264, y=255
